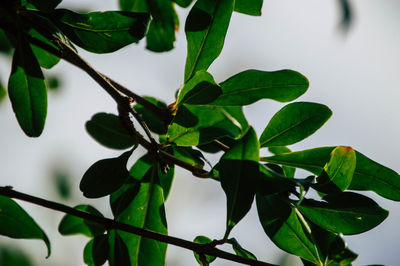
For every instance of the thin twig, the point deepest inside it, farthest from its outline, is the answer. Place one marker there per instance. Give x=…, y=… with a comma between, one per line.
x=111, y=224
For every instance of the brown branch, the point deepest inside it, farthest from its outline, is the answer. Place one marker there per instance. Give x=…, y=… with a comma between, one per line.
x=111, y=224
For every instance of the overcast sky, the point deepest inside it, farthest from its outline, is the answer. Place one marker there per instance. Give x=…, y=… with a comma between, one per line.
x=354, y=74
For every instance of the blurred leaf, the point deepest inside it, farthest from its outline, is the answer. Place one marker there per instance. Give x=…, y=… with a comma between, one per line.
x=72, y=225
x=289, y=171
x=63, y=184
x=282, y=225
x=16, y=223
x=293, y=123
x=119, y=253
x=347, y=14
x=13, y=257
x=238, y=169
x=200, y=89
x=249, y=7
x=96, y=251
x=206, y=27
x=239, y=250
x=3, y=92
x=105, y=176
x=183, y=3
x=27, y=90
x=161, y=34
x=368, y=175
x=153, y=121
x=149, y=213
x=5, y=45
x=45, y=5
x=108, y=131
x=102, y=32
x=202, y=259
x=53, y=82
x=348, y=213
x=134, y=5
x=194, y=125
x=250, y=86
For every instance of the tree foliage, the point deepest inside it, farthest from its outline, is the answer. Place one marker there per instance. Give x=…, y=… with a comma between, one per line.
x=206, y=117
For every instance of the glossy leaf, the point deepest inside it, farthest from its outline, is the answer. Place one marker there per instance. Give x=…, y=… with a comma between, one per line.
x=293, y=123
x=239, y=250
x=161, y=34
x=72, y=225
x=205, y=28
x=146, y=210
x=13, y=257
x=27, y=90
x=348, y=213
x=108, y=131
x=368, y=175
x=238, y=169
x=45, y=5
x=16, y=223
x=200, y=89
x=102, y=32
x=194, y=125
x=282, y=225
x=153, y=121
x=250, y=86
x=249, y=7
x=202, y=259
x=96, y=251
x=105, y=176
x=183, y=3
x=289, y=171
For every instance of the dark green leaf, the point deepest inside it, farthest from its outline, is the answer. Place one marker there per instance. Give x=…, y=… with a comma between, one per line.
x=249, y=7
x=289, y=171
x=3, y=92
x=53, y=83
x=202, y=259
x=293, y=123
x=13, y=257
x=147, y=211
x=200, y=89
x=45, y=58
x=5, y=45
x=368, y=175
x=213, y=147
x=189, y=155
x=205, y=28
x=270, y=182
x=27, y=90
x=183, y=3
x=283, y=226
x=239, y=170
x=72, y=225
x=63, y=184
x=102, y=32
x=347, y=14
x=105, y=176
x=239, y=250
x=96, y=251
x=45, y=5
x=133, y=5
x=108, y=131
x=249, y=86
x=194, y=125
x=16, y=223
x=153, y=121
x=119, y=253
x=348, y=213
x=161, y=34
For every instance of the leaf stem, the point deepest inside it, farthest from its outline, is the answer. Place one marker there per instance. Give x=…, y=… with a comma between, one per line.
x=111, y=224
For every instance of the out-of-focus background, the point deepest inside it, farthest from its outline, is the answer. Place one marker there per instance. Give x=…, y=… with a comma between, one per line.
x=355, y=73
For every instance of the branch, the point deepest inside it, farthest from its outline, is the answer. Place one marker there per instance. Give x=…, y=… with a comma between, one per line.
x=111, y=224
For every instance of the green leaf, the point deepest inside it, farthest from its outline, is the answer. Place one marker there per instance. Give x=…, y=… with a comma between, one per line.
x=202, y=259
x=133, y=5
x=293, y=123
x=348, y=213
x=5, y=45
x=338, y=172
x=284, y=228
x=161, y=34
x=16, y=223
x=288, y=171
x=62, y=183
x=368, y=175
x=250, y=86
x=189, y=155
x=183, y=3
x=96, y=251
x=45, y=5
x=249, y=7
x=239, y=250
x=13, y=257
x=238, y=169
x=201, y=124
x=270, y=182
x=119, y=253
x=102, y=32
x=72, y=225
x=153, y=121
x=146, y=210
x=45, y=58
x=3, y=92
x=205, y=28
x=108, y=131
x=27, y=90
x=200, y=89
x=105, y=176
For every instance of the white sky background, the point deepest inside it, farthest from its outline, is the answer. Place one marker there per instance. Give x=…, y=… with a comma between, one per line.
x=355, y=75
